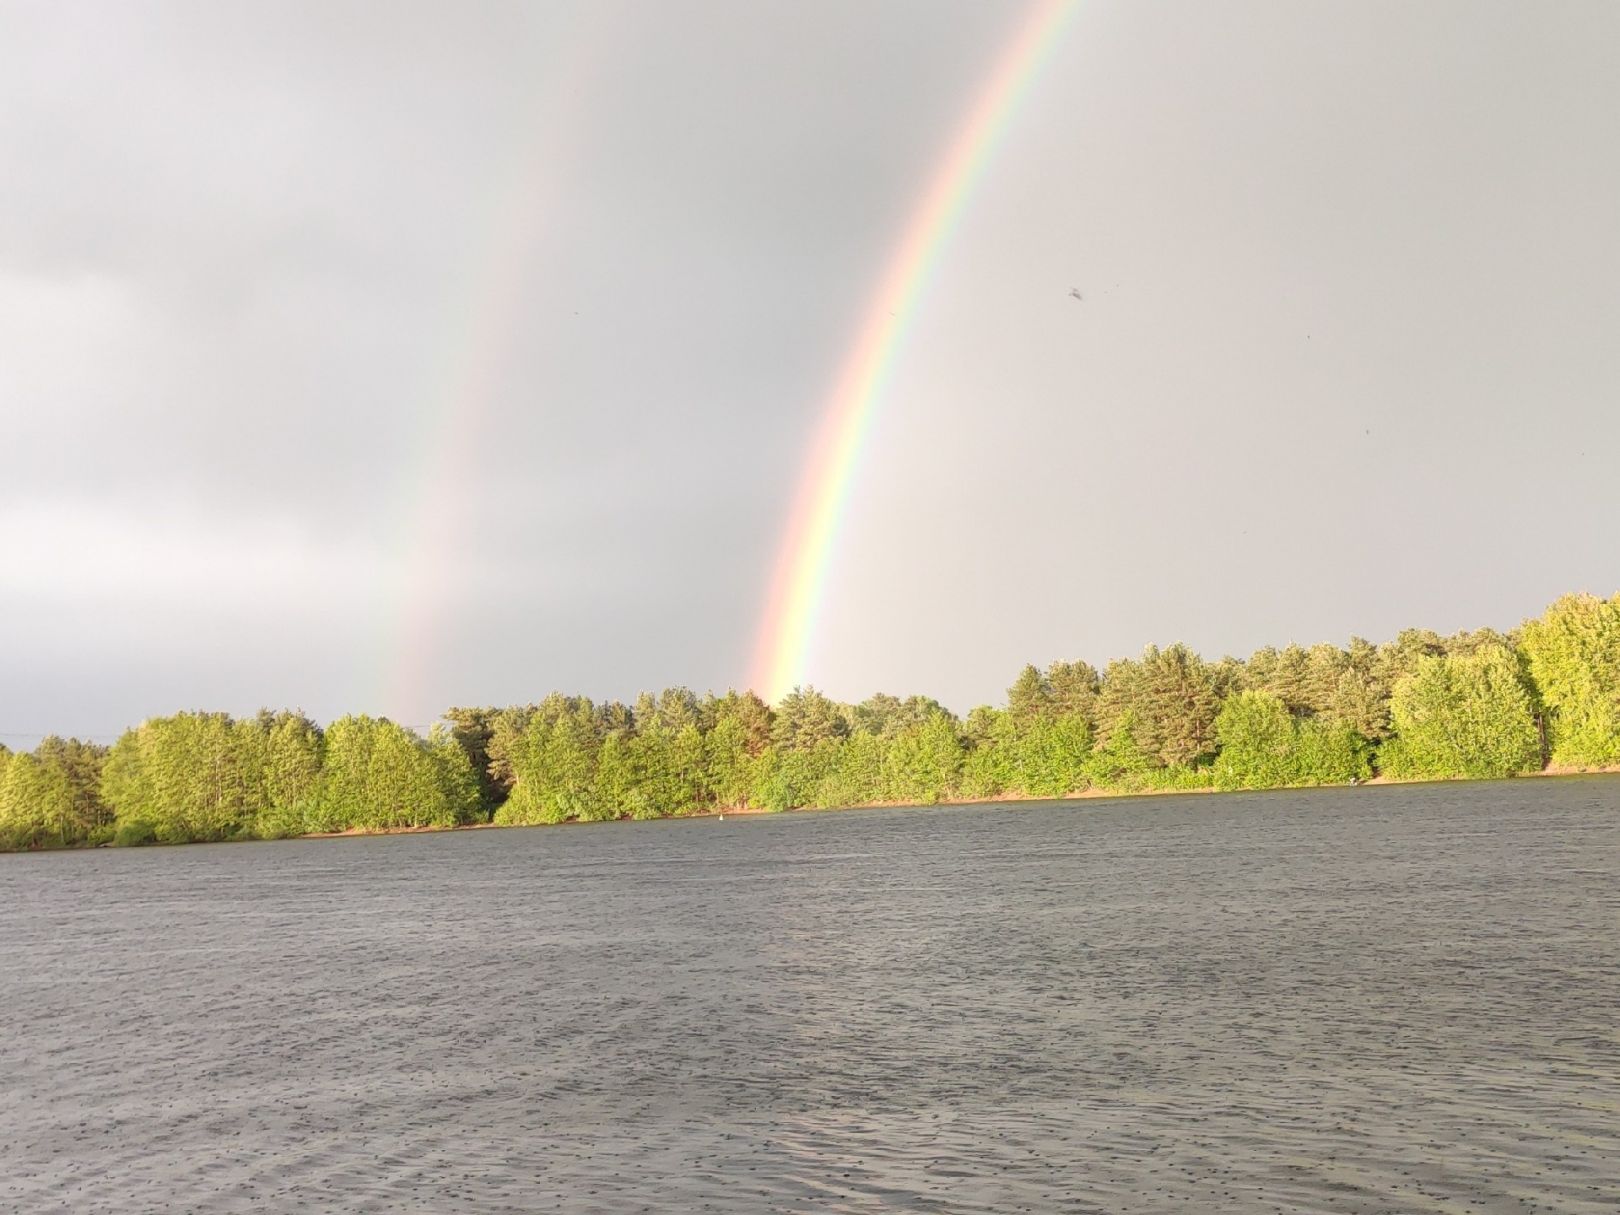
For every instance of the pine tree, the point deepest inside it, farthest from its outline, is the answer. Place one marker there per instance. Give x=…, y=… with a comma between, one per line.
x=80, y=764
x=1168, y=696
x=806, y=720
x=474, y=730
x=988, y=769
x=1029, y=697
x=1074, y=687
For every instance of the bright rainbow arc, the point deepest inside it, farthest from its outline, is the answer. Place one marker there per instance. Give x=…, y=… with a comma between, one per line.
x=805, y=559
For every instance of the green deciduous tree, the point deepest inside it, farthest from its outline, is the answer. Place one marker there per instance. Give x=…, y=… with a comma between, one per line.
x=1572, y=652
x=80, y=764
x=989, y=767
x=1049, y=755
x=924, y=763
x=36, y=804
x=1474, y=704
x=1264, y=746
x=860, y=774
x=341, y=801
x=785, y=779
x=190, y=776
x=291, y=773
x=728, y=763
x=380, y=776
x=552, y=764
x=1463, y=715
x=1121, y=761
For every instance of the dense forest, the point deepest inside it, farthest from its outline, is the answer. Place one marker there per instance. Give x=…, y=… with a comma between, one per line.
x=1473, y=705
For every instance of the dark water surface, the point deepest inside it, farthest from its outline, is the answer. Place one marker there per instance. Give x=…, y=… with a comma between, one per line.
x=1379, y=999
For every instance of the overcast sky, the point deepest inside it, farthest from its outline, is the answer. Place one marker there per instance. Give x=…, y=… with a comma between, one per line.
x=386, y=356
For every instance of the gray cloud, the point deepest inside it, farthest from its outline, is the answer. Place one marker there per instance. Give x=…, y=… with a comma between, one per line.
x=287, y=291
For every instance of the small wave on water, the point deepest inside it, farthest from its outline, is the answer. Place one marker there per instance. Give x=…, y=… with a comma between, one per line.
x=1386, y=1000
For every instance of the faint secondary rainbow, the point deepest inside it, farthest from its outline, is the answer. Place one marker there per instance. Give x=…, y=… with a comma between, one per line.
x=483, y=324
x=804, y=560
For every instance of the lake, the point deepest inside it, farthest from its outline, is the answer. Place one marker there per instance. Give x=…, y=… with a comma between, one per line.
x=1350, y=1000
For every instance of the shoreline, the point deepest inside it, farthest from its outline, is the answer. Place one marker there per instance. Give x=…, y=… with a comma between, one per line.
x=1090, y=794
x=1084, y=795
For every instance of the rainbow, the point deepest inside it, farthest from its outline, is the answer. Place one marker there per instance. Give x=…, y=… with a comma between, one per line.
x=804, y=561
x=483, y=323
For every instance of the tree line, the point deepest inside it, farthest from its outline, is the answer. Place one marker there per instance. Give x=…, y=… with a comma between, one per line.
x=1473, y=705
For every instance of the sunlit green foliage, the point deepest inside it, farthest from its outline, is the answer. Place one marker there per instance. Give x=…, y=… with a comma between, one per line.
x=192, y=776
x=989, y=768
x=552, y=763
x=340, y=800
x=1573, y=655
x=204, y=776
x=1029, y=697
x=1168, y=697
x=924, y=761
x=1073, y=688
x=1462, y=715
x=806, y=721
x=739, y=732
x=86, y=817
x=36, y=804
x=859, y=776
x=1264, y=746
x=1121, y=761
x=291, y=773
x=786, y=779
x=1474, y=704
x=473, y=730
x=1049, y=756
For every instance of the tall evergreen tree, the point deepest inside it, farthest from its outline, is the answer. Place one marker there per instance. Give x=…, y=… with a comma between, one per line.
x=1074, y=687
x=473, y=730
x=806, y=720
x=1029, y=697
x=80, y=764
x=1169, y=698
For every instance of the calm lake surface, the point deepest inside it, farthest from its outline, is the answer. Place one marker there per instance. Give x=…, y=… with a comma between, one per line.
x=1375, y=999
